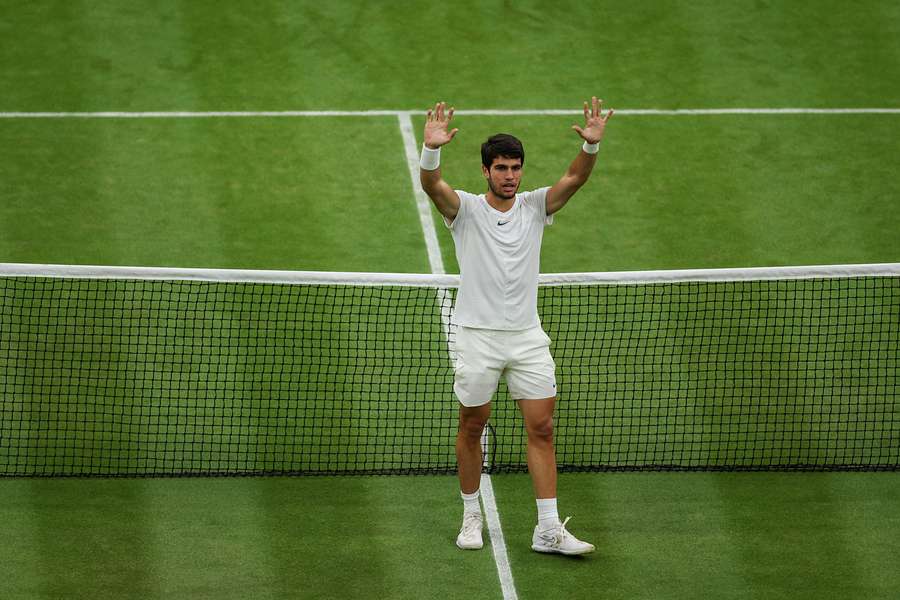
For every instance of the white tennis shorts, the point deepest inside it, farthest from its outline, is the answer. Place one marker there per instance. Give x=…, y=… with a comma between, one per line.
x=523, y=357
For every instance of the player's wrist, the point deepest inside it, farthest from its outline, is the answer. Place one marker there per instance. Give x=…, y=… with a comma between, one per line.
x=430, y=158
x=591, y=148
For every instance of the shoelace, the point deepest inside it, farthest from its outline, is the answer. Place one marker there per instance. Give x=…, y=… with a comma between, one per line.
x=471, y=524
x=557, y=535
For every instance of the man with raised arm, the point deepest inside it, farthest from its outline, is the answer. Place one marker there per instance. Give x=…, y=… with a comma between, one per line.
x=498, y=242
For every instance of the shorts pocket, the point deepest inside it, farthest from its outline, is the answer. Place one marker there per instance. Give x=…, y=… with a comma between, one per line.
x=457, y=347
x=458, y=366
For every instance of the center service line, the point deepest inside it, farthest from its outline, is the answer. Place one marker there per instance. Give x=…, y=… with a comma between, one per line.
x=437, y=266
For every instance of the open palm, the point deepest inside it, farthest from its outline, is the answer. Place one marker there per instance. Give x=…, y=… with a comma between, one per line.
x=437, y=126
x=594, y=123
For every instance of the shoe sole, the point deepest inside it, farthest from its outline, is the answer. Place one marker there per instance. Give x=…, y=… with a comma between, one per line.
x=461, y=547
x=554, y=551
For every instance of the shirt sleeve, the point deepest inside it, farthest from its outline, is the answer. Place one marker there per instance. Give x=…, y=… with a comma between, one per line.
x=537, y=201
x=463, y=212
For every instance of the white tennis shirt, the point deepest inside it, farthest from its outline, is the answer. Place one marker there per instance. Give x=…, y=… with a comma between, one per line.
x=499, y=260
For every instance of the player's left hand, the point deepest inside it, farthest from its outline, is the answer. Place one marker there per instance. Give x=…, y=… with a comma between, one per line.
x=594, y=123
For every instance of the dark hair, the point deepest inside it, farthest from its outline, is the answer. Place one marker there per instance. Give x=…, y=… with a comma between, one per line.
x=501, y=144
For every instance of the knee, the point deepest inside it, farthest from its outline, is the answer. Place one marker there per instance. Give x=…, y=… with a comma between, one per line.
x=472, y=427
x=541, y=430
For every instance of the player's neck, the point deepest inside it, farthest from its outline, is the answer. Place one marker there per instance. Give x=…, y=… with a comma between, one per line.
x=498, y=203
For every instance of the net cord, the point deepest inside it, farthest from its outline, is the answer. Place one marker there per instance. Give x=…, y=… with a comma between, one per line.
x=440, y=281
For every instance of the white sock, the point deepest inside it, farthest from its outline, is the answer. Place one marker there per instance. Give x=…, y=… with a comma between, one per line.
x=470, y=502
x=548, y=517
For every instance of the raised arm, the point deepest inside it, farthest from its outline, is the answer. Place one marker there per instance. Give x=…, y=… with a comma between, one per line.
x=581, y=167
x=437, y=134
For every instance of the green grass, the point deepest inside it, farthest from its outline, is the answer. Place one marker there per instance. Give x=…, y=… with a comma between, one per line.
x=237, y=538
x=203, y=56
x=257, y=193
x=334, y=194
x=706, y=192
x=776, y=535
x=658, y=535
x=246, y=193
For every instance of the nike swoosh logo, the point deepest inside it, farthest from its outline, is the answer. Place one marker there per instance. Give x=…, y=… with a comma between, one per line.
x=502, y=223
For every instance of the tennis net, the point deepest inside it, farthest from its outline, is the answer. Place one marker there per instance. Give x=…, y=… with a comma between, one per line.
x=117, y=371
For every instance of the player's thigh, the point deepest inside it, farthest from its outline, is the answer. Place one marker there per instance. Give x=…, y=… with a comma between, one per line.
x=478, y=368
x=531, y=374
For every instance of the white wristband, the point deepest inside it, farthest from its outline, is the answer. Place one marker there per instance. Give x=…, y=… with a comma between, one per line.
x=430, y=159
x=591, y=148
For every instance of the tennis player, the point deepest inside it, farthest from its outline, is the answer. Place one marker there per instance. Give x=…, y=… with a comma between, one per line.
x=498, y=243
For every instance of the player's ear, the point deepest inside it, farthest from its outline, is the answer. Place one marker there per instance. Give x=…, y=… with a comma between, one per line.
x=485, y=172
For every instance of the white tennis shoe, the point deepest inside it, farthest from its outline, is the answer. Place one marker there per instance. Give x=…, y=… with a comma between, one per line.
x=469, y=537
x=557, y=540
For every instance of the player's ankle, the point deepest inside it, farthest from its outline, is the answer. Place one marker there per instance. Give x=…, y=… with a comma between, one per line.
x=471, y=504
x=548, y=516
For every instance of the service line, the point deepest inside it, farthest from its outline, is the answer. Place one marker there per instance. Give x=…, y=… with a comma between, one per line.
x=636, y=112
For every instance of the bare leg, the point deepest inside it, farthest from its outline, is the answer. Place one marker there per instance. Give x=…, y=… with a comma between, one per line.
x=541, y=454
x=468, y=445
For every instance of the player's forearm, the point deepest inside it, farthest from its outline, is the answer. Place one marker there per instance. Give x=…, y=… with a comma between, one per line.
x=580, y=169
x=430, y=179
x=576, y=176
x=442, y=195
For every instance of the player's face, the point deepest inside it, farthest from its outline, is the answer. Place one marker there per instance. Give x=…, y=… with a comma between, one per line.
x=504, y=177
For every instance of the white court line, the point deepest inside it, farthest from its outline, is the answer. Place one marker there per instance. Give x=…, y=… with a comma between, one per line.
x=637, y=112
x=497, y=542
x=422, y=202
x=504, y=572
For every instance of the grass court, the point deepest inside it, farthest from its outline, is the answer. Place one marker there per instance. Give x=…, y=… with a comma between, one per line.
x=334, y=193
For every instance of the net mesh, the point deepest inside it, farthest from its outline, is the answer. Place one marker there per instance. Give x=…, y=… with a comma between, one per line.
x=174, y=377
